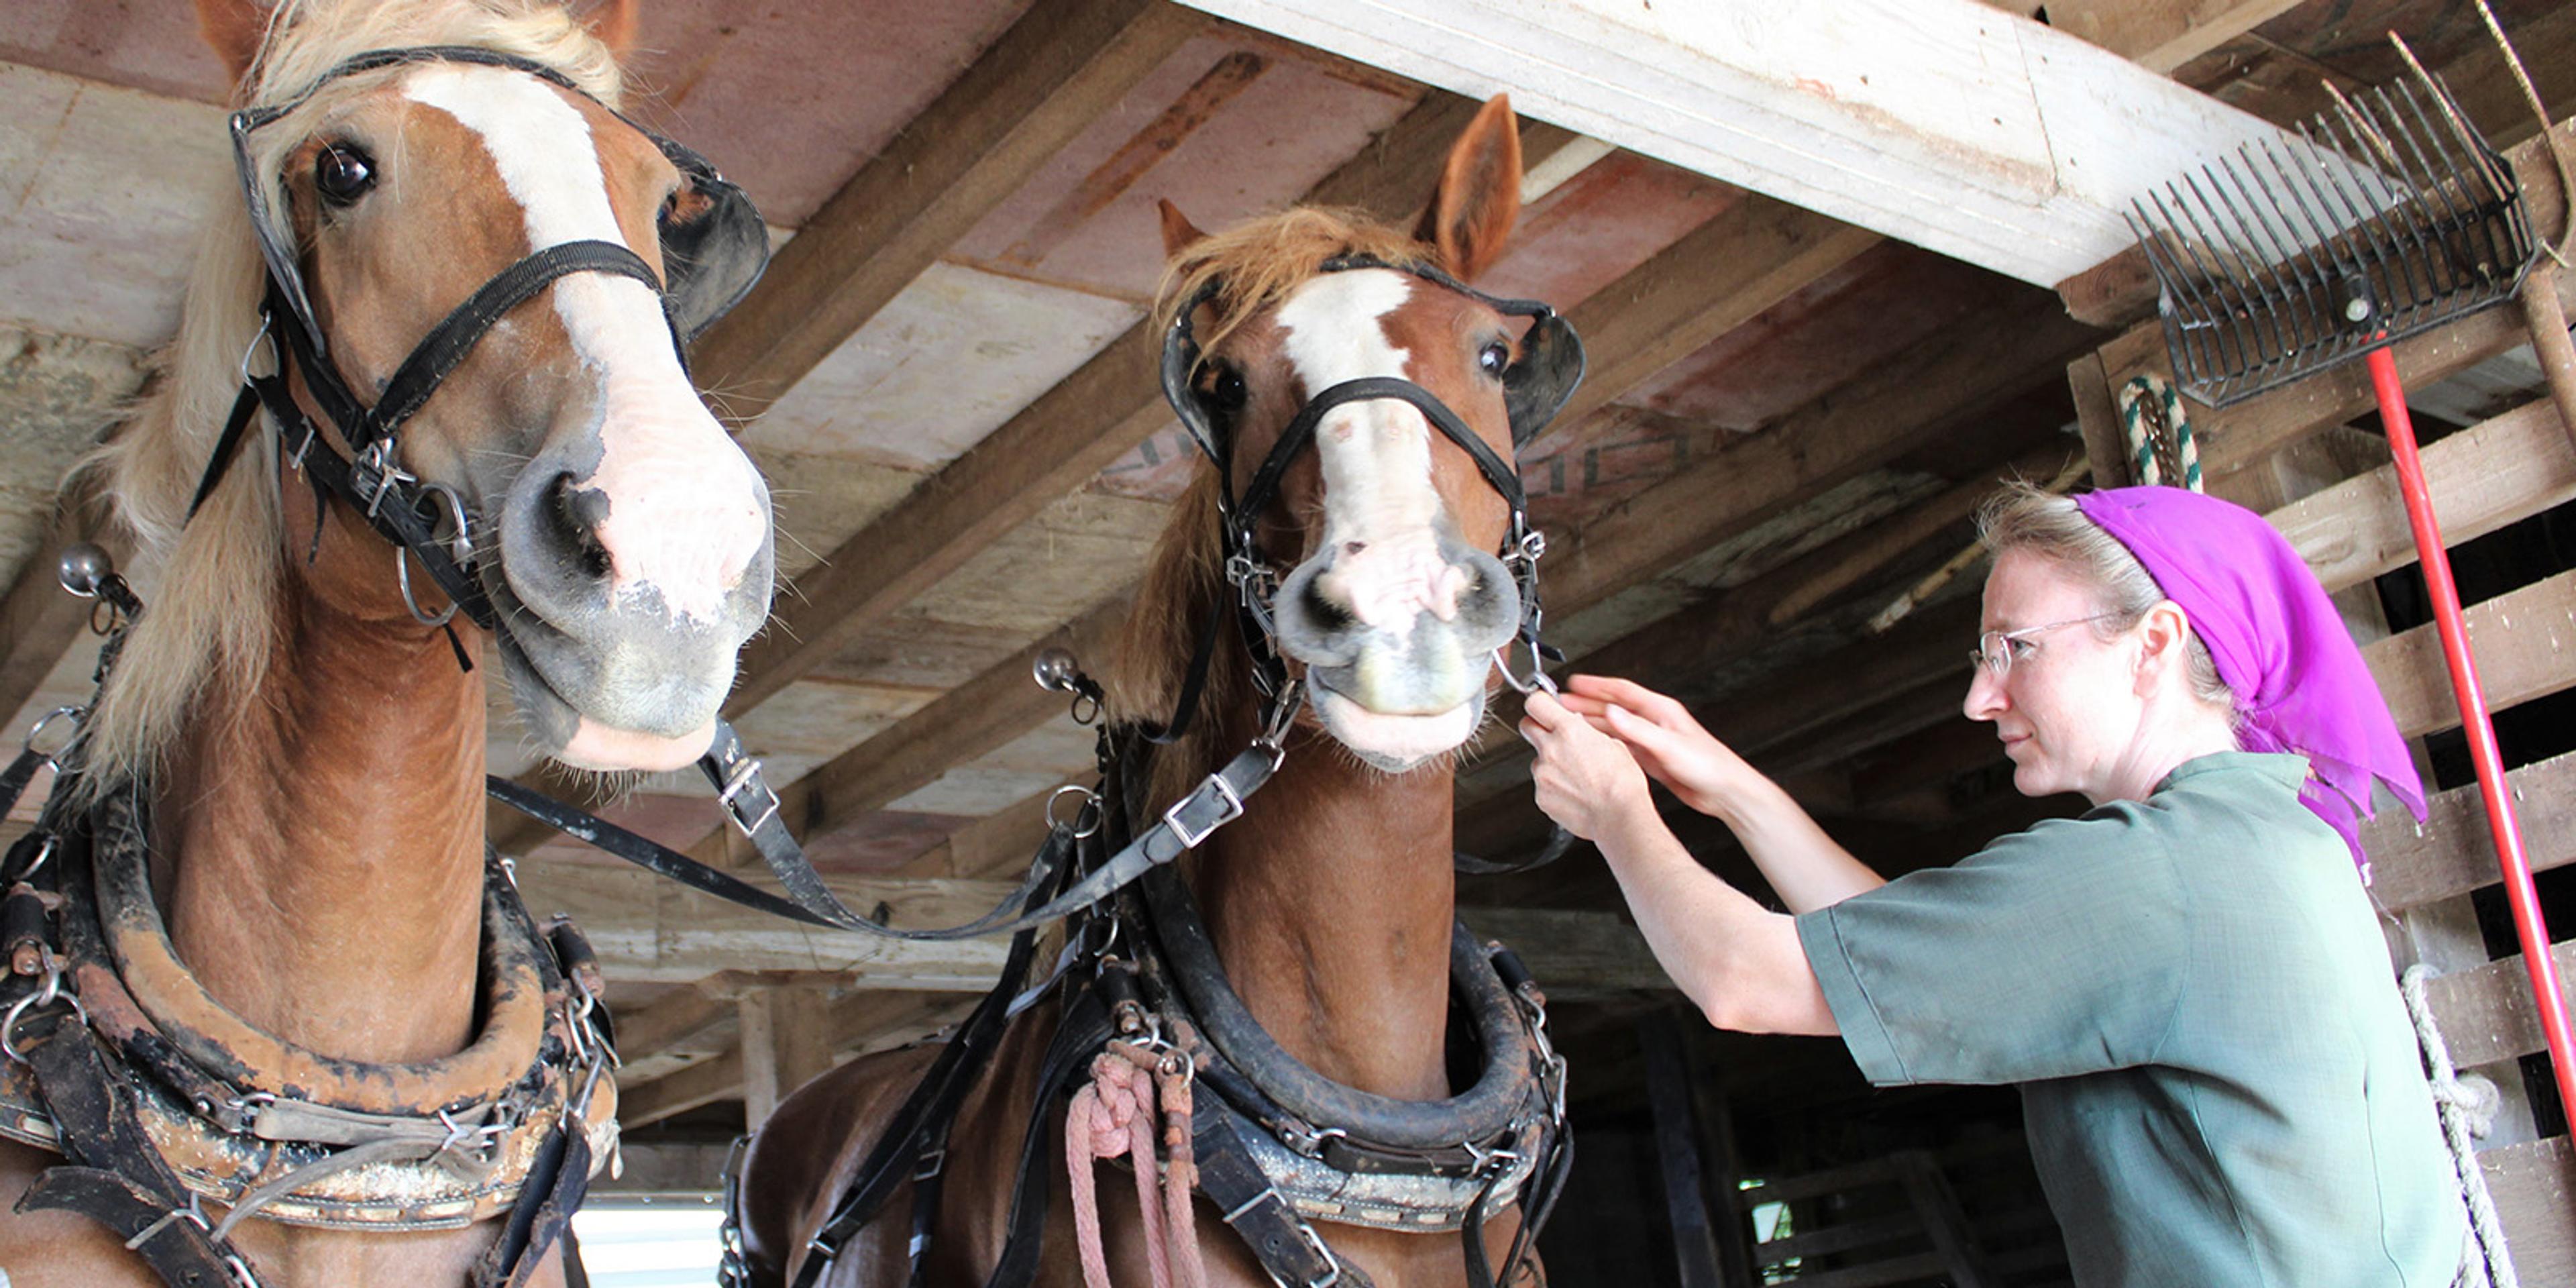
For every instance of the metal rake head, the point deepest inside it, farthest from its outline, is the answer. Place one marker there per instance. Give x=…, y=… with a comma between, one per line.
x=2377, y=220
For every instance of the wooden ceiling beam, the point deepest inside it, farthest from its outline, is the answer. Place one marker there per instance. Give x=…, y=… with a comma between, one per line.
x=1981, y=135
x=1029, y=95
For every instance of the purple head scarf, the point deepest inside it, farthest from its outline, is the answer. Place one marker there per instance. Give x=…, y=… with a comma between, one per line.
x=2300, y=683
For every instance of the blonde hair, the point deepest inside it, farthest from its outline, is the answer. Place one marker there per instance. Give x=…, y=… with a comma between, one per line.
x=2029, y=518
x=211, y=626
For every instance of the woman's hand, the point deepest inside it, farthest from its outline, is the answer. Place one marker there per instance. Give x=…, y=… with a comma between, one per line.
x=1586, y=781
x=1666, y=741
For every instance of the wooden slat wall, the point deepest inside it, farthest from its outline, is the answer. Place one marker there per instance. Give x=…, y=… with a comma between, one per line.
x=2482, y=479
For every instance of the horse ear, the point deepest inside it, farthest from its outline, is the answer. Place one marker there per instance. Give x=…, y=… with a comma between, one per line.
x=614, y=23
x=1179, y=234
x=1479, y=194
x=235, y=28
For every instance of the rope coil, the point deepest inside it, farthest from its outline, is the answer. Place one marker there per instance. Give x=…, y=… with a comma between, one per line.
x=2467, y=1108
x=2162, y=449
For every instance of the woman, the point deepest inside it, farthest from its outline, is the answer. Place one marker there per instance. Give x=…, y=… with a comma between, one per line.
x=2188, y=982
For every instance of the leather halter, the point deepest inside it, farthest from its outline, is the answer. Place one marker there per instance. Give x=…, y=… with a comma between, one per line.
x=713, y=260
x=1535, y=388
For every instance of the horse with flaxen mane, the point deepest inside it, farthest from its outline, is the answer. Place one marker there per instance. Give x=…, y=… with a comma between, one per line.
x=278, y=1018
x=1275, y=1034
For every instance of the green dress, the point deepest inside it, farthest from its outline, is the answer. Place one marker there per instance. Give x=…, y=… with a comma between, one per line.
x=2220, y=1082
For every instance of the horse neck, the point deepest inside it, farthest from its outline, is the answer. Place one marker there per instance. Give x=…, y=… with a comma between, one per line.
x=1330, y=904
x=325, y=835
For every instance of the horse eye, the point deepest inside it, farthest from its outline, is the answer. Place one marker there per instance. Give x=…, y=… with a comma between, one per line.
x=342, y=174
x=1225, y=390
x=1494, y=359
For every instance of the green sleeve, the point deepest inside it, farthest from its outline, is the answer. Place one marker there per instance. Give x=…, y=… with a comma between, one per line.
x=2057, y=951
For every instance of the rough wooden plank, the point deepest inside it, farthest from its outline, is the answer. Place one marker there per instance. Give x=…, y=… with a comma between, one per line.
x=2521, y=640
x=1573, y=954
x=2451, y=853
x=1029, y=95
x=2097, y=413
x=2161, y=35
x=785, y=1039
x=2481, y=479
x=680, y=1015
x=1861, y=425
x=2488, y=1014
x=650, y=930
x=696, y=1086
x=2535, y=1188
x=1944, y=123
x=1720, y=276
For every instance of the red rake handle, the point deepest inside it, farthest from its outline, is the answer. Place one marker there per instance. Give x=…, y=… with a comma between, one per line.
x=2501, y=820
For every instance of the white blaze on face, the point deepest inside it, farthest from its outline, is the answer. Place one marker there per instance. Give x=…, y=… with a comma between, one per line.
x=684, y=514
x=1380, y=509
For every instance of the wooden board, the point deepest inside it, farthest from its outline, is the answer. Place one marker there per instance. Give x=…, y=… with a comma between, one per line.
x=1945, y=123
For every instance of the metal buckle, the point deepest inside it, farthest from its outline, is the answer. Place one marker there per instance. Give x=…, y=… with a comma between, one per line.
x=375, y=475
x=1225, y=793
x=295, y=459
x=1333, y=1274
x=744, y=788
x=930, y=1164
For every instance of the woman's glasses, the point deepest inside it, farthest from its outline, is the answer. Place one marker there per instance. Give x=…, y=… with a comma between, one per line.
x=1995, y=649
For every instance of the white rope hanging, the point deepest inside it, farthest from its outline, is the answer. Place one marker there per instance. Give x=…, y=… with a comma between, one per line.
x=2162, y=449
x=2467, y=1108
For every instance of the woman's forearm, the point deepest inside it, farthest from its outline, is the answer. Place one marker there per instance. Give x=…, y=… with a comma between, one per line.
x=1739, y=962
x=1806, y=867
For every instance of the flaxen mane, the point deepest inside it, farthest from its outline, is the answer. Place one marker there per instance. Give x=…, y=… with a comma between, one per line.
x=213, y=583
x=1256, y=264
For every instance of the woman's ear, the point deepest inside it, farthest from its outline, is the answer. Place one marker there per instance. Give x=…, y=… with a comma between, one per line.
x=2164, y=639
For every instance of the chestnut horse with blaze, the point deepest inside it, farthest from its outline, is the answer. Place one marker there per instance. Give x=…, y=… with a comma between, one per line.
x=293, y=739
x=1330, y=902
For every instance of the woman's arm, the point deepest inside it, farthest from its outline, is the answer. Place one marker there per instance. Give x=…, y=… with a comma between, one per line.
x=1739, y=962
x=1808, y=869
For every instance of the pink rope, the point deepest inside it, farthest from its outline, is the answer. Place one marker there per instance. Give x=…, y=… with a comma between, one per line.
x=1114, y=1114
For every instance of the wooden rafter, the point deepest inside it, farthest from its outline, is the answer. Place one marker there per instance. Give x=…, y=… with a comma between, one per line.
x=1023, y=100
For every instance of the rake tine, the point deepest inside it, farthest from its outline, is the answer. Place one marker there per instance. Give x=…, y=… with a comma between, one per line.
x=2213, y=309
x=2301, y=305
x=2222, y=274
x=2459, y=243
x=2265, y=307
x=2475, y=185
x=2394, y=280
x=2189, y=327
x=2316, y=248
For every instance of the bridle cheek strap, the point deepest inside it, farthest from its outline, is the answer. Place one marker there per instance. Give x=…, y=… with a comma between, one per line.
x=370, y=480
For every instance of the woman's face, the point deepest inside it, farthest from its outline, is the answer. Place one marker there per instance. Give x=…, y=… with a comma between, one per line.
x=2069, y=708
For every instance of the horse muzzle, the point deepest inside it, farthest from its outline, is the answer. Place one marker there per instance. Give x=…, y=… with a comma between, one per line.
x=1398, y=650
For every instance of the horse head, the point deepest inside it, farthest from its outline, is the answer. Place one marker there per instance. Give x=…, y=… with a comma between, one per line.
x=620, y=538
x=1404, y=530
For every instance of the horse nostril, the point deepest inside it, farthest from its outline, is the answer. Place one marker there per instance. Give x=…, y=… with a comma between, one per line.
x=1353, y=547
x=578, y=514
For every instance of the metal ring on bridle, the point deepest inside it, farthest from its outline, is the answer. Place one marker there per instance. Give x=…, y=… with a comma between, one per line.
x=54, y=758
x=460, y=544
x=1090, y=801
x=402, y=579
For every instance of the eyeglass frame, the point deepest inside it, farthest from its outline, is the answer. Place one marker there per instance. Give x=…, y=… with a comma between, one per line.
x=1980, y=658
